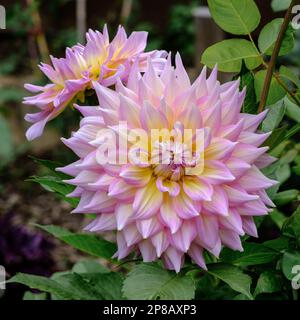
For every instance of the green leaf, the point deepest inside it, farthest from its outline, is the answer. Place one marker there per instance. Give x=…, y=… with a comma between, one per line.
x=268, y=282
x=108, y=285
x=289, y=75
x=289, y=260
x=53, y=182
x=51, y=166
x=7, y=152
x=292, y=225
x=250, y=105
x=56, y=185
x=44, y=284
x=278, y=217
x=278, y=136
x=77, y=283
x=87, y=243
x=280, y=5
x=89, y=266
x=276, y=92
x=233, y=276
x=235, y=16
x=73, y=286
x=274, y=116
x=269, y=35
x=149, y=281
x=230, y=54
x=289, y=157
x=272, y=172
x=278, y=244
x=10, y=94
x=28, y=295
x=292, y=110
x=253, y=254
x=294, y=130
x=285, y=197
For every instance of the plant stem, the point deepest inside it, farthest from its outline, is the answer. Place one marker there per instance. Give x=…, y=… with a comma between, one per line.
x=274, y=57
x=285, y=87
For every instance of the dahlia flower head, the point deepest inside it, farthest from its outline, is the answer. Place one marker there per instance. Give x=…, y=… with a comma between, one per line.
x=170, y=210
x=99, y=60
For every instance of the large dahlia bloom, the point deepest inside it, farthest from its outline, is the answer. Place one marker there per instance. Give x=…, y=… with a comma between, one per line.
x=99, y=60
x=168, y=210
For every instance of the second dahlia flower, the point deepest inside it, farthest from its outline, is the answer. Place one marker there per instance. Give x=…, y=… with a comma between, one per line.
x=171, y=209
x=99, y=60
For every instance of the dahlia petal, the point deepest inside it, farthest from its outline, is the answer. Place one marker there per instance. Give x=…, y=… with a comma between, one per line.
x=85, y=198
x=237, y=195
x=231, y=109
x=208, y=230
x=147, y=201
x=248, y=153
x=148, y=251
x=251, y=122
x=136, y=175
x=152, y=79
x=232, y=132
x=249, y=226
x=254, y=180
x=89, y=163
x=213, y=117
x=183, y=238
x=108, y=98
x=196, y=253
x=212, y=79
x=231, y=239
x=151, y=118
x=219, y=202
x=124, y=215
x=173, y=259
x=79, y=147
x=169, y=216
x=216, y=172
x=119, y=189
x=100, y=202
x=216, y=250
x=264, y=161
x=103, y=222
x=123, y=249
x=265, y=198
x=129, y=112
x=160, y=242
x=84, y=178
x=185, y=207
x=89, y=111
x=197, y=189
x=36, y=130
x=131, y=235
x=135, y=44
x=254, y=139
x=148, y=227
x=191, y=118
x=70, y=169
x=253, y=208
x=237, y=167
x=200, y=85
x=103, y=183
x=232, y=222
x=169, y=186
x=181, y=73
x=219, y=149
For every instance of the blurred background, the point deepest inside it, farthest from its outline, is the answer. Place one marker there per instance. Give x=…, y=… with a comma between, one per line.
x=35, y=29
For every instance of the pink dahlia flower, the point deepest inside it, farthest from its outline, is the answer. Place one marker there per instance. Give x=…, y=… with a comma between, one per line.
x=100, y=60
x=171, y=209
